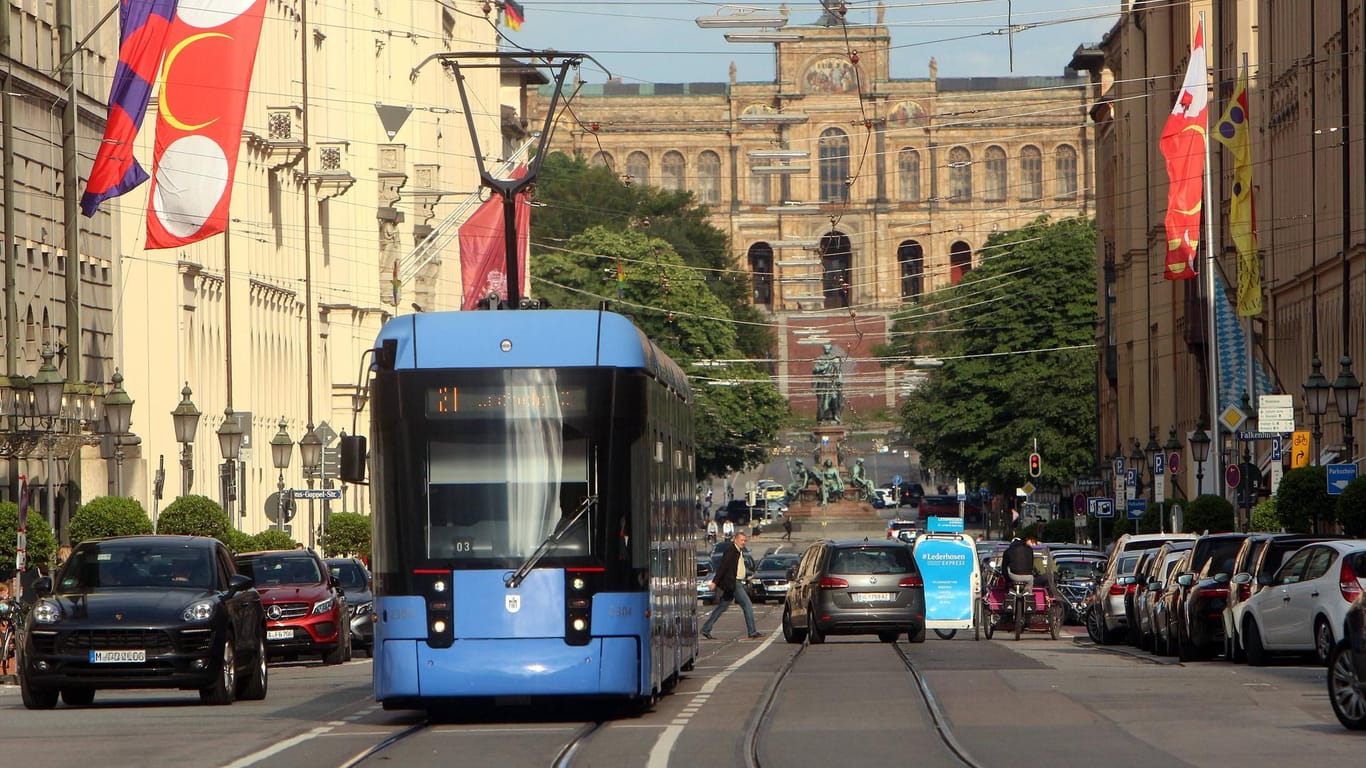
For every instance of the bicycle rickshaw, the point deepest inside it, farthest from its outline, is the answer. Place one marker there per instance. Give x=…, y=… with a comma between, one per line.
x=1008, y=609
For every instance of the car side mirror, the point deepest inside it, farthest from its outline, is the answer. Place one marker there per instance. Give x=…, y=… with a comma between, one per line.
x=1265, y=580
x=42, y=587
x=240, y=583
x=1221, y=578
x=1186, y=579
x=791, y=573
x=1125, y=581
x=351, y=455
x=334, y=582
x=1242, y=578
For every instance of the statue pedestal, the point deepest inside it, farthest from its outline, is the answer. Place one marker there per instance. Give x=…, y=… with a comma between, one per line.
x=828, y=439
x=849, y=510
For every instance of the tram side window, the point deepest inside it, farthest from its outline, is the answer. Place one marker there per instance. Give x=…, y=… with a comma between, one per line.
x=499, y=494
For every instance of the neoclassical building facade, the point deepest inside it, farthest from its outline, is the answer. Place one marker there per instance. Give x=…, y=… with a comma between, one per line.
x=847, y=190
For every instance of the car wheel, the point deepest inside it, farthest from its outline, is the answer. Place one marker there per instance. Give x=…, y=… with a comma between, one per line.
x=78, y=697
x=1055, y=622
x=1095, y=627
x=336, y=655
x=225, y=682
x=814, y=633
x=254, y=687
x=34, y=697
x=790, y=633
x=1344, y=688
x=917, y=636
x=888, y=637
x=1323, y=641
x=349, y=652
x=1252, y=643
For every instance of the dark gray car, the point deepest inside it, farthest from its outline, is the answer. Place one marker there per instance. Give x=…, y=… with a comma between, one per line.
x=855, y=588
x=360, y=600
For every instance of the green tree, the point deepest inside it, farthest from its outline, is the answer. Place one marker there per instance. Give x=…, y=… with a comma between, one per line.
x=1351, y=508
x=347, y=535
x=271, y=538
x=195, y=516
x=1264, y=518
x=1017, y=340
x=1303, y=498
x=238, y=541
x=1208, y=512
x=42, y=543
x=736, y=424
x=109, y=516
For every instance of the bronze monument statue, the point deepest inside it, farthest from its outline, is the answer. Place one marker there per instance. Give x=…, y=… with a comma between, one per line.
x=858, y=478
x=829, y=386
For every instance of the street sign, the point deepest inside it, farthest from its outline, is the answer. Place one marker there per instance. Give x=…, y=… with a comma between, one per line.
x=273, y=508
x=316, y=493
x=1299, y=449
x=1339, y=476
x=1029, y=488
x=1174, y=463
x=1276, y=413
x=1159, y=488
x=1131, y=477
x=1159, y=464
x=1232, y=476
x=1079, y=503
x=1089, y=482
x=1101, y=506
x=1232, y=418
x=1263, y=435
x=1276, y=449
x=1119, y=466
x=325, y=432
x=1136, y=508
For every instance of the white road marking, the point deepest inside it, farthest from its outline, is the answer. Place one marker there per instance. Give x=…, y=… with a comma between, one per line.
x=279, y=747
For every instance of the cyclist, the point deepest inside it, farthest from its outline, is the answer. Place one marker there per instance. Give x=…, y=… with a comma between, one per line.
x=1018, y=563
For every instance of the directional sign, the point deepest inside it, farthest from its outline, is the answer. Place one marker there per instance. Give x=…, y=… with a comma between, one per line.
x=1174, y=463
x=1339, y=476
x=1136, y=508
x=1101, y=506
x=1232, y=476
x=1276, y=413
x=1299, y=449
x=316, y=493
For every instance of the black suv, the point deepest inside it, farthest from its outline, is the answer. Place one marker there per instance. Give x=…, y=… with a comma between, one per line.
x=911, y=494
x=855, y=588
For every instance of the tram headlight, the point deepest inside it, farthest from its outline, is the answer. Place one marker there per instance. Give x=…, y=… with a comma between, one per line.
x=438, y=586
x=580, y=625
x=439, y=626
x=578, y=583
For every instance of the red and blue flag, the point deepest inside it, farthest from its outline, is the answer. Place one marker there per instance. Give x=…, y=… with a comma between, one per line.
x=143, y=25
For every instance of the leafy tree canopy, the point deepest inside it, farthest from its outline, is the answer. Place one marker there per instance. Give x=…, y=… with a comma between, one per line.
x=1351, y=508
x=1017, y=341
x=109, y=516
x=1303, y=497
x=195, y=516
x=1208, y=512
x=42, y=543
x=734, y=425
x=271, y=538
x=347, y=535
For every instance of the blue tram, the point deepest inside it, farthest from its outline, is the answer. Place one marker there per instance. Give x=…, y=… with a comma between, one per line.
x=531, y=485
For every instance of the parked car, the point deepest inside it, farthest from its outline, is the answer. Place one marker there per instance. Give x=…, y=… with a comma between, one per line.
x=360, y=599
x=1149, y=609
x=770, y=579
x=1260, y=556
x=144, y=612
x=1142, y=573
x=884, y=497
x=736, y=511
x=306, y=610
x=855, y=587
x=1304, y=607
x=1164, y=639
x=897, y=525
x=705, y=574
x=1347, y=669
x=1201, y=592
x=1106, y=619
x=910, y=494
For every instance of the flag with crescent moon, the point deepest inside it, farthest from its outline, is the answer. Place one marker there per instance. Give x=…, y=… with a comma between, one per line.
x=483, y=249
x=1232, y=131
x=1183, y=147
x=143, y=25
x=206, y=77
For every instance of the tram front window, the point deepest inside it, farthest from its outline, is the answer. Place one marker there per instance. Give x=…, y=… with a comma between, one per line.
x=513, y=464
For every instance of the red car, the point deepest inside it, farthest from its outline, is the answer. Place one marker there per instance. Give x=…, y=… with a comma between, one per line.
x=305, y=607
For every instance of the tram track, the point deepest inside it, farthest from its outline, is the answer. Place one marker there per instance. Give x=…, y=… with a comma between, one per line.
x=563, y=758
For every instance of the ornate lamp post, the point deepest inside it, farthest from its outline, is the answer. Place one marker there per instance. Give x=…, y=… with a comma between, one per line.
x=281, y=449
x=230, y=443
x=118, y=409
x=47, y=404
x=1316, y=389
x=1347, y=395
x=1199, y=453
x=186, y=418
x=311, y=453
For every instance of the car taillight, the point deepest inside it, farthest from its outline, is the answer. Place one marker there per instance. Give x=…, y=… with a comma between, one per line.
x=1132, y=588
x=1244, y=591
x=1116, y=589
x=831, y=582
x=911, y=581
x=1347, y=582
x=1212, y=592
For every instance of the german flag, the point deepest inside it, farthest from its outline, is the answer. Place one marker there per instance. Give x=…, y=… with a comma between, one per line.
x=513, y=15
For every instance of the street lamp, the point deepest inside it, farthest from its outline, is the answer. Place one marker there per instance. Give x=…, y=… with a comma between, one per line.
x=311, y=453
x=47, y=403
x=1199, y=453
x=118, y=409
x=230, y=444
x=1316, y=389
x=186, y=418
x=1347, y=394
x=281, y=448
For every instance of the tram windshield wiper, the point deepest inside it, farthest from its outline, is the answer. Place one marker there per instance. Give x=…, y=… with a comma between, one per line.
x=561, y=529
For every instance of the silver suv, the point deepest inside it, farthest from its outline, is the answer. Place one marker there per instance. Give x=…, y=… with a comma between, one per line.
x=855, y=588
x=1108, y=621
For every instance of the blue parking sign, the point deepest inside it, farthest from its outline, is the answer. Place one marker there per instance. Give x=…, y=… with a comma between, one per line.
x=1136, y=508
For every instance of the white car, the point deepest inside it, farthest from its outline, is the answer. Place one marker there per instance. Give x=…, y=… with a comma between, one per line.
x=1108, y=620
x=1304, y=608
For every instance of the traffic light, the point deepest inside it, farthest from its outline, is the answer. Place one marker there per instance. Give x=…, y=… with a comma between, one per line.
x=1035, y=465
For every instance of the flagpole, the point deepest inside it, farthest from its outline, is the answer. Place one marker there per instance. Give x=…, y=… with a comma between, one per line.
x=1212, y=337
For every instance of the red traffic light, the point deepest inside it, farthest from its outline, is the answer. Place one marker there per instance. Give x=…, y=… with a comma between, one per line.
x=1035, y=465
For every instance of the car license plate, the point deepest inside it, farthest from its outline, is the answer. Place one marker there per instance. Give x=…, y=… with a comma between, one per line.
x=872, y=597
x=118, y=657
x=279, y=634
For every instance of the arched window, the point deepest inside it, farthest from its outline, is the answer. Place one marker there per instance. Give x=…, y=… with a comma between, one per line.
x=996, y=175
x=1065, y=166
x=911, y=257
x=760, y=185
x=709, y=178
x=1031, y=173
x=960, y=175
x=638, y=168
x=834, y=165
x=761, y=273
x=605, y=160
x=960, y=261
x=908, y=175
x=671, y=171
x=836, y=269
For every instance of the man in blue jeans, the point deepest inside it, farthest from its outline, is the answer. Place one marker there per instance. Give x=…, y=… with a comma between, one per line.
x=729, y=583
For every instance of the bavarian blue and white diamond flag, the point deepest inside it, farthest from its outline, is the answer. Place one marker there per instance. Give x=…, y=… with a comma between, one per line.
x=1231, y=337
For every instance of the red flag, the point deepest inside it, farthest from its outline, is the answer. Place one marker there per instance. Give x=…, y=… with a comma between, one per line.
x=1183, y=147
x=206, y=76
x=483, y=255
